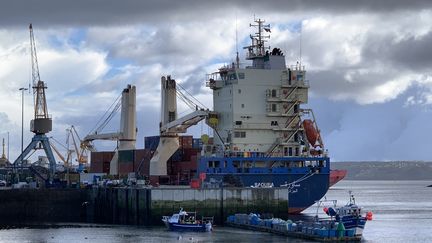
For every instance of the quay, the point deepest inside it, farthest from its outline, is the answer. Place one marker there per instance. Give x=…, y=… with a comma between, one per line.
x=134, y=206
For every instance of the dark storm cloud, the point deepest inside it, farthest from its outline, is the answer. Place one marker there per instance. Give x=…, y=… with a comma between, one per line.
x=387, y=131
x=412, y=52
x=112, y=12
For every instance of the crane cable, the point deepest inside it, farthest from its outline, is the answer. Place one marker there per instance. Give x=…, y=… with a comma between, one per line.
x=187, y=101
x=195, y=104
x=112, y=110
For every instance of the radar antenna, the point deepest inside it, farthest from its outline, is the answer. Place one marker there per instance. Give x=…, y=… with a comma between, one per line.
x=258, y=49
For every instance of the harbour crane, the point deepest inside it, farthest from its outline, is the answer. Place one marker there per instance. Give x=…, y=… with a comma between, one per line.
x=42, y=123
x=66, y=160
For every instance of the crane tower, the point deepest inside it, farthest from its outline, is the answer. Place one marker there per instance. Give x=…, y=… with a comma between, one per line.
x=42, y=123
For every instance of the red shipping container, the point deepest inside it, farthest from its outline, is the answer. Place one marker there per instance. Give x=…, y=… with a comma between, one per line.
x=125, y=168
x=98, y=161
x=144, y=156
x=106, y=167
x=185, y=142
x=188, y=153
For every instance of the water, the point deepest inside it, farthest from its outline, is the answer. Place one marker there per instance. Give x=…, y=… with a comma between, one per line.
x=402, y=213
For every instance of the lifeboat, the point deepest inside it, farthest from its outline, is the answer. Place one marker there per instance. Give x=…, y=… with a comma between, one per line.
x=311, y=132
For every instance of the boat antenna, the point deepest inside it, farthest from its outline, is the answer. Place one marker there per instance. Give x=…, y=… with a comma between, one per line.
x=301, y=30
x=237, y=53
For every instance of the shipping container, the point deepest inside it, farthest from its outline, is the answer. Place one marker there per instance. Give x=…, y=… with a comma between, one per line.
x=126, y=156
x=151, y=142
x=197, y=143
x=187, y=153
x=100, y=161
x=185, y=142
x=106, y=167
x=177, y=156
x=142, y=161
x=125, y=168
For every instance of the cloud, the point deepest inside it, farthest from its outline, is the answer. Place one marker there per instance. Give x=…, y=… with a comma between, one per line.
x=386, y=131
x=111, y=12
x=363, y=59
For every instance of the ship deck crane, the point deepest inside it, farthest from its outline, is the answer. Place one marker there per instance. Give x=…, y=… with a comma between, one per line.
x=170, y=125
x=42, y=123
x=126, y=136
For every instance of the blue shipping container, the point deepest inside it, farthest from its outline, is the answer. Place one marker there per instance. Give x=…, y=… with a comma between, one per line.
x=151, y=142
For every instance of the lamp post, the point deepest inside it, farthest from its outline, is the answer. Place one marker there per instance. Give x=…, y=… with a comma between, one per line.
x=22, y=122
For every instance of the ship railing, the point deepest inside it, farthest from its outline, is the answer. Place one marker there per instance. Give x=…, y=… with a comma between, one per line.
x=251, y=54
x=213, y=76
x=299, y=83
x=297, y=67
x=253, y=126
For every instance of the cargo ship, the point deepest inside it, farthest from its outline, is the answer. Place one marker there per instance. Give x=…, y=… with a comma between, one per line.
x=262, y=134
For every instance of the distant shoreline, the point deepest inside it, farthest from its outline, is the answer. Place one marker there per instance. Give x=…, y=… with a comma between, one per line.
x=397, y=170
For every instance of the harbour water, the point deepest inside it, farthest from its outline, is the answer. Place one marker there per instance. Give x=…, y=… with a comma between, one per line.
x=402, y=213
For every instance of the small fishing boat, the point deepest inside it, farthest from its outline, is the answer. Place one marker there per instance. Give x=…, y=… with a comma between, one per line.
x=349, y=215
x=187, y=221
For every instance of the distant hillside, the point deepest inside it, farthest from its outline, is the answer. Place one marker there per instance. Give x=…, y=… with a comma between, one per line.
x=398, y=170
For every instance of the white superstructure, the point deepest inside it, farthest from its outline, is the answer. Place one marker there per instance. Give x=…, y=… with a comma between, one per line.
x=258, y=106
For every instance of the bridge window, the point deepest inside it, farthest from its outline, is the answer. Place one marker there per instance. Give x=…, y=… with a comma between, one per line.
x=274, y=93
x=239, y=134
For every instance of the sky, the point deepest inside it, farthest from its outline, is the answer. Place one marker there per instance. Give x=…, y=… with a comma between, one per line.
x=369, y=64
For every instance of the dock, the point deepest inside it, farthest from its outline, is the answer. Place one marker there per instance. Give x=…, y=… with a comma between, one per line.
x=295, y=234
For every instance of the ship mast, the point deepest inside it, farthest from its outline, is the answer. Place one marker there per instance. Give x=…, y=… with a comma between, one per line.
x=257, y=48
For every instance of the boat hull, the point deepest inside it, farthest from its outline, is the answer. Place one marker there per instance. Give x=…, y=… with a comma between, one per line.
x=189, y=227
x=336, y=176
x=302, y=196
x=356, y=223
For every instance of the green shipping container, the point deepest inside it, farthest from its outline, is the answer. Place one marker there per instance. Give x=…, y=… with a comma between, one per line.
x=126, y=156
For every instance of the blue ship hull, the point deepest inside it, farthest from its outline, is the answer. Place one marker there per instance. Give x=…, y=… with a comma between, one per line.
x=308, y=183
x=188, y=227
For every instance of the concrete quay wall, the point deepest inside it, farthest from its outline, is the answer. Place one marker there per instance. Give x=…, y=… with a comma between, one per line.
x=147, y=206
x=30, y=206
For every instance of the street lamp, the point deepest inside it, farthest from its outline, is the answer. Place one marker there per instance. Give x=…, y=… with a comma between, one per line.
x=22, y=122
